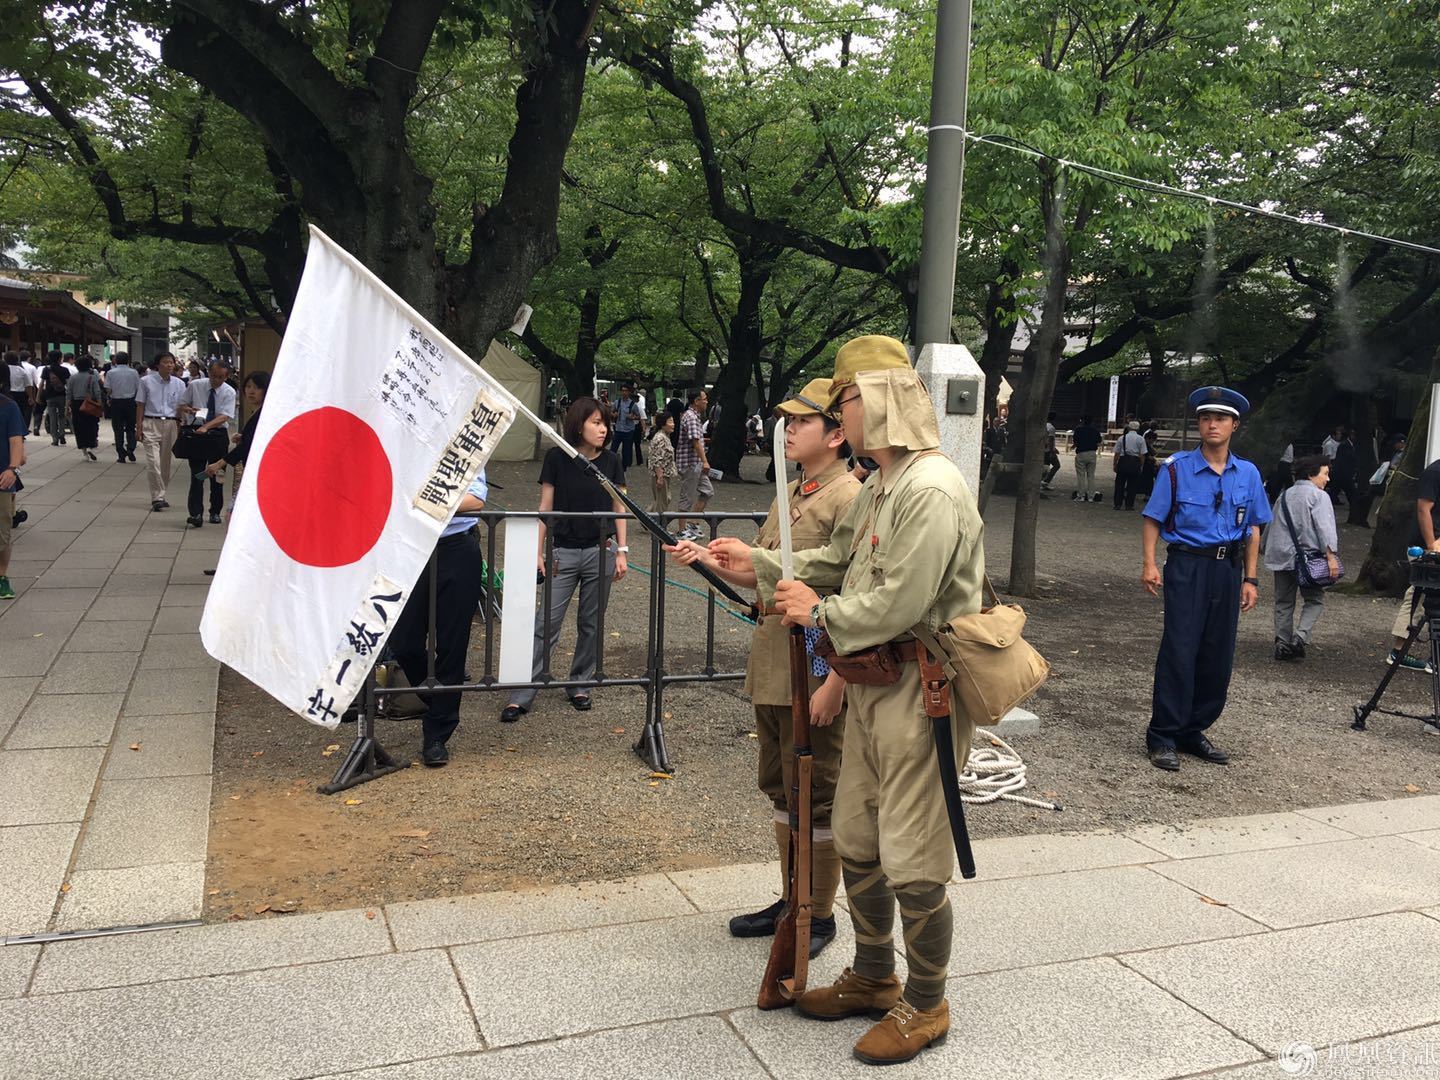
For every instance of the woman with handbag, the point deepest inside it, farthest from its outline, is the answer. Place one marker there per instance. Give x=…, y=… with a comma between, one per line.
x=86, y=396
x=1301, y=547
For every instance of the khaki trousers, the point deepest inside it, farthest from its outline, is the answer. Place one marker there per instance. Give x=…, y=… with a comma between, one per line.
x=159, y=440
x=888, y=804
x=773, y=724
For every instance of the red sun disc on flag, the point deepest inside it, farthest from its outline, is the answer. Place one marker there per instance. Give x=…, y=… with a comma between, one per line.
x=324, y=487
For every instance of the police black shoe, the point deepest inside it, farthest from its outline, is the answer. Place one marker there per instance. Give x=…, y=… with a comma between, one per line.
x=195, y=520
x=762, y=923
x=822, y=932
x=1205, y=750
x=512, y=713
x=1164, y=757
x=435, y=755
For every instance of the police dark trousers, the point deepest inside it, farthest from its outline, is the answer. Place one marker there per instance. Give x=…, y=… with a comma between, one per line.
x=459, y=584
x=1197, y=651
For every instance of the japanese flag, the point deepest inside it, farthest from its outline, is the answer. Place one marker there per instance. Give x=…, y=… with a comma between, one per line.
x=372, y=429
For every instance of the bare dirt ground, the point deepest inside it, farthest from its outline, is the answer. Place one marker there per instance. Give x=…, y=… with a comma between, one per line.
x=560, y=796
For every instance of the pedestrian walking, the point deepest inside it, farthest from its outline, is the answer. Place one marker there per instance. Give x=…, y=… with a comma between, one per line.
x=1086, y=438
x=122, y=382
x=663, y=474
x=85, y=398
x=55, y=377
x=629, y=425
x=584, y=556
x=207, y=409
x=1301, y=513
x=1208, y=507
x=12, y=456
x=157, y=404
x=694, y=464
x=1052, y=454
x=1128, y=461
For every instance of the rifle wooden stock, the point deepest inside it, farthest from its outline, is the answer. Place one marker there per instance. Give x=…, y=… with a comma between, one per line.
x=788, y=968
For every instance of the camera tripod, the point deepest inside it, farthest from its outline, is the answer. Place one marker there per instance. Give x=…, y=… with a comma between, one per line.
x=1429, y=598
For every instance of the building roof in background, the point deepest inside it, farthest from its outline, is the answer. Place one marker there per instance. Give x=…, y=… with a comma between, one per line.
x=58, y=309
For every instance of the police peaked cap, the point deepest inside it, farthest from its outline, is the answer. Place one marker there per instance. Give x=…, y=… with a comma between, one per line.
x=1219, y=399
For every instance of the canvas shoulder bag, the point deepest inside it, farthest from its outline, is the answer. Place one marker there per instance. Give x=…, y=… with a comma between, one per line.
x=991, y=667
x=1312, y=568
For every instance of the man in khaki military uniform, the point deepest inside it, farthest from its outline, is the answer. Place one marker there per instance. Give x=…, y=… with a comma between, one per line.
x=909, y=551
x=818, y=500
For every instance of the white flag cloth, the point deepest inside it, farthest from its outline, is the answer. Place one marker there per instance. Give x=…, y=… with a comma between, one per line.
x=373, y=427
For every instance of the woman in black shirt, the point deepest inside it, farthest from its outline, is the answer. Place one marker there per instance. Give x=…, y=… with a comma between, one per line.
x=583, y=554
x=256, y=384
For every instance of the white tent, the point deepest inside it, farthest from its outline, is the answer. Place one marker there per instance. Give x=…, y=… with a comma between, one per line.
x=523, y=381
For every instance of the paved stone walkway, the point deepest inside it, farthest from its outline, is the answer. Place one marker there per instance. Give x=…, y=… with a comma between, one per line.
x=1247, y=948
x=107, y=700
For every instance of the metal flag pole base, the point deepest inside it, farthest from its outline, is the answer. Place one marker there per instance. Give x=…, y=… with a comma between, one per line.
x=367, y=760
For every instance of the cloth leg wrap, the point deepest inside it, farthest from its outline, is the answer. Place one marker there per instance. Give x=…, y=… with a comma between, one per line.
x=929, y=926
x=824, y=877
x=872, y=910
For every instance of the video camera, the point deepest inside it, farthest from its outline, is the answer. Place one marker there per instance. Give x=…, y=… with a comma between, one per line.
x=1424, y=569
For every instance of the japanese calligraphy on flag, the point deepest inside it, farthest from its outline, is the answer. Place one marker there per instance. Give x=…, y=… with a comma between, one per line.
x=373, y=428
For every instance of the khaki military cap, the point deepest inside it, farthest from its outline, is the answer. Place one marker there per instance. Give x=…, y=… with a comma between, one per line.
x=812, y=400
x=872, y=352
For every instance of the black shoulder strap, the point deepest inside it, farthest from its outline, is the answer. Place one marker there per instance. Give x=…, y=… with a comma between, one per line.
x=1174, y=498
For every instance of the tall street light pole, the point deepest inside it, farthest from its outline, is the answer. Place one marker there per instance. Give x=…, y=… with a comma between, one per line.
x=944, y=171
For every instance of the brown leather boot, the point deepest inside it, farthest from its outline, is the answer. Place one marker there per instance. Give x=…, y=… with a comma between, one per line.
x=903, y=1033
x=851, y=995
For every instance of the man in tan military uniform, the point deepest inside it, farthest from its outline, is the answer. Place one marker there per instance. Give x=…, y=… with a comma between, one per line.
x=818, y=500
x=909, y=551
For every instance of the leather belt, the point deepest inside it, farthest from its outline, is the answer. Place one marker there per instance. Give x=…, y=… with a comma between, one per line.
x=1220, y=552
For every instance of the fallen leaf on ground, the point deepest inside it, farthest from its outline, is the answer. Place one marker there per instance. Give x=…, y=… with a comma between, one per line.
x=134, y=746
x=669, y=716
x=353, y=802
x=65, y=887
x=234, y=798
x=659, y=776
x=614, y=633
x=258, y=753
x=1413, y=789
x=617, y=731
x=37, y=635
x=417, y=834
x=512, y=749
x=654, y=783
x=751, y=735
x=261, y=909
x=1050, y=794
x=1214, y=903
x=370, y=914
x=213, y=892
x=333, y=747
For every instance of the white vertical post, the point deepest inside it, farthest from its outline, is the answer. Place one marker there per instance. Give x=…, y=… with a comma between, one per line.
x=1432, y=437
x=517, y=615
x=960, y=433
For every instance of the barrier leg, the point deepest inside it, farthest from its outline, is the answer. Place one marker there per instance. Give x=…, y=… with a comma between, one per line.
x=366, y=759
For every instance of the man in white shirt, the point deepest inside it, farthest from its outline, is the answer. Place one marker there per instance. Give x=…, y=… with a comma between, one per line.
x=1130, y=451
x=1332, y=442
x=34, y=369
x=122, y=382
x=208, y=406
x=157, y=405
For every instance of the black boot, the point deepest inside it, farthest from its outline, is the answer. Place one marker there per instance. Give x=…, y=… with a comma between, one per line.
x=760, y=923
x=822, y=932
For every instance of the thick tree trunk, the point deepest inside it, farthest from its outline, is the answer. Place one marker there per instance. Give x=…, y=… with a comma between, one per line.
x=1384, y=567
x=746, y=338
x=1001, y=308
x=1038, y=390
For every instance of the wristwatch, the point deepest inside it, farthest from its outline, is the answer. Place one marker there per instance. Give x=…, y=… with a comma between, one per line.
x=1253, y=581
x=817, y=613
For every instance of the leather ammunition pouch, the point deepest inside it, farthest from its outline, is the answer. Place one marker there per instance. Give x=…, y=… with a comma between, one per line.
x=879, y=665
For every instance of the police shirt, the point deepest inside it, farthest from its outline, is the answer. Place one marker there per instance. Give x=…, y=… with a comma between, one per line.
x=462, y=523
x=1210, y=508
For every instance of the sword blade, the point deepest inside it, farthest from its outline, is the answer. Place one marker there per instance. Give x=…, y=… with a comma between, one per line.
x=782, y=505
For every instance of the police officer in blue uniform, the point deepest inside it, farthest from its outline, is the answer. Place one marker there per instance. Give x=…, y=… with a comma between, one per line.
x=1208, y=507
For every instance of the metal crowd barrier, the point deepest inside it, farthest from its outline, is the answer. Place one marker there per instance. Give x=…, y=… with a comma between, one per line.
x=367, y=759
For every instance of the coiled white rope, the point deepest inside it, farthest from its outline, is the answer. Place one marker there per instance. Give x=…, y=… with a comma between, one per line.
x=996, y=772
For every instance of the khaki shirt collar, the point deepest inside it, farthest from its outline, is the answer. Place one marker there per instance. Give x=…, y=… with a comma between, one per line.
x=826, y=476
x=887, y=480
